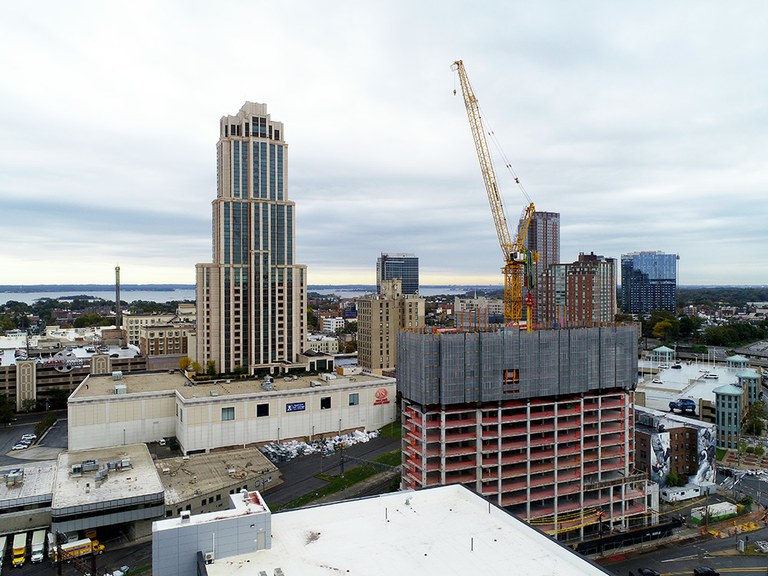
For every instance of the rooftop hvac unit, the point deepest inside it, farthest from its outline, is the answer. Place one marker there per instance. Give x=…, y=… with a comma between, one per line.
x=117, y=375
x=314, y=383
x=214, y=392
x=279, y=572
x=90, y=465
x=121, y=389
x=267, y=385
x=209, y=557
x=185, y=515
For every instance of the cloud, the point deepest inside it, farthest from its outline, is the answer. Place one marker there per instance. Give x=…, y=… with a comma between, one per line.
x=643, y=125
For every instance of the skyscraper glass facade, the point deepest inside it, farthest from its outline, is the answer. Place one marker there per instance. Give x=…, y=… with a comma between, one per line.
x=403, y=267
x=252, y=298
x=648, y=282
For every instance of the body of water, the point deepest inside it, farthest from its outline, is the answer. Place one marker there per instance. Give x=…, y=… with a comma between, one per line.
x=162, y=296
x=343, y=292
x=125, y=295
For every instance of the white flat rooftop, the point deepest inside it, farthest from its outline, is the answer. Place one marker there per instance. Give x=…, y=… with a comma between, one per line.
x=37, y=485
x=141, y=480
x=162, y=381
x=688, y=381
x=435, y=531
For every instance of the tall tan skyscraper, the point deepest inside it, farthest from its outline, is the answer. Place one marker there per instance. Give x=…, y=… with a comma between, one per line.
x=379, y=318
x=252, y=299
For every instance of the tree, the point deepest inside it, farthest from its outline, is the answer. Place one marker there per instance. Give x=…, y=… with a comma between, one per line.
x=675, y=479
x=210, y=368
x=662, y=329
x=755, y=421
x=184, y=362
x=196, y=367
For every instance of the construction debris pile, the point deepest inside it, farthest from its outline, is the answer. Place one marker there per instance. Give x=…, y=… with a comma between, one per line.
x=284, y=451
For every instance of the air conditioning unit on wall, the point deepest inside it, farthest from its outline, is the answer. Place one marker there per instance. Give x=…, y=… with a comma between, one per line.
x=209, y=557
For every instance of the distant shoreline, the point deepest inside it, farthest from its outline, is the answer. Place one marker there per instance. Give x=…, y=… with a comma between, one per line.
x=80, y=288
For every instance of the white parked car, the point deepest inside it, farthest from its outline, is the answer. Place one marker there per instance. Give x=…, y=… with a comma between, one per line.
x=657, y=381
x=29, y=437
x=20, y=446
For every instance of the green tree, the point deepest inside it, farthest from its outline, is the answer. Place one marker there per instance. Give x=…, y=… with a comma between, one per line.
x=312, y=321
x=754, y=423
x=675, y=479
x=662, y=329
x=87, y=320
x=210, y=368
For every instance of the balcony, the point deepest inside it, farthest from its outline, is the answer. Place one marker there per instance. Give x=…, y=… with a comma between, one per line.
x=539, y=414
x=542, y=428
x=460, y=437
x=460, y=423
x=460, y=451
x=460, y=465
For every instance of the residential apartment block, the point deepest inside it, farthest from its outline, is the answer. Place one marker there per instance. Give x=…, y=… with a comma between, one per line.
x=167, y=340
x=648, y=282
x=666, y=442
x=544, y=239
x=379, y=319
x=579, y=294
x=251, y=300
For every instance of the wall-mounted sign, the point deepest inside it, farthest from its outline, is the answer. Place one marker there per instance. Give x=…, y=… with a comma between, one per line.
x=382, y=396
x=296, y=407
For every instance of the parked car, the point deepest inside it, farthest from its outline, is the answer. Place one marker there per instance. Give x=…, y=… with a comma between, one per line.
x=657, y=381
x=20, y=446
x=705, y=571
x=29, y=437
x=648, y=572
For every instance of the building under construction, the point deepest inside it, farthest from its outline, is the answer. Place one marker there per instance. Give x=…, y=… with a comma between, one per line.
x=538, y=422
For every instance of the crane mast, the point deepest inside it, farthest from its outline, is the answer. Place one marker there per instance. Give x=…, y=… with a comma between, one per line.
x=515, y=255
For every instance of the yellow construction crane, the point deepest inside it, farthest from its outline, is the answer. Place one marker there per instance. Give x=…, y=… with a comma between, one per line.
x=518, y=261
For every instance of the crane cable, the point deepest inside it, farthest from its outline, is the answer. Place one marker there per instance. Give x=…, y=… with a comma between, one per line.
x=504, y=157
x=497, y=144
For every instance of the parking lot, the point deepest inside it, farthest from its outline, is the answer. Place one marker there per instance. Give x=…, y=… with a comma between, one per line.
x=46, y=448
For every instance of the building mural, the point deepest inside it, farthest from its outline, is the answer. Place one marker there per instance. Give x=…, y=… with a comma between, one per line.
x=706, y=457
x=660, y=453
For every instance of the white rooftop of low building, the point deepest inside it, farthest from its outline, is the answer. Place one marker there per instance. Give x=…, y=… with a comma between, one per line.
x=245, y=503
x=138, y=382
x=36, y=486
x=688, y=381
x=141, y=479
x=435, y=531
x=671, y=420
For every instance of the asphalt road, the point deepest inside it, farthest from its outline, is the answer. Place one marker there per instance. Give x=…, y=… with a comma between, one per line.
x=299, y=474
x=681, y=558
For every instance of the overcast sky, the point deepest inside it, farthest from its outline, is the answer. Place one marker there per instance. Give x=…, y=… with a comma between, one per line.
x=645, y=125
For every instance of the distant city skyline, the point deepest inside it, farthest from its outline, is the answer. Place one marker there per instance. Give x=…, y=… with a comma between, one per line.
x=642, y=133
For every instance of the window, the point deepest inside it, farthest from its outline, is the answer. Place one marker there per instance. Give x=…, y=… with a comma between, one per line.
x=228, y=413
x=325, y=403
x=262, y=410
x=354, y=399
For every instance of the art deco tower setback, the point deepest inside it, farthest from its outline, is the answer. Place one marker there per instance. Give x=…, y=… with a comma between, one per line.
x=251, y=300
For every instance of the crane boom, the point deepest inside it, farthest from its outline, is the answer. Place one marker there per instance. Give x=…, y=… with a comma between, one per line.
x=513, y=250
